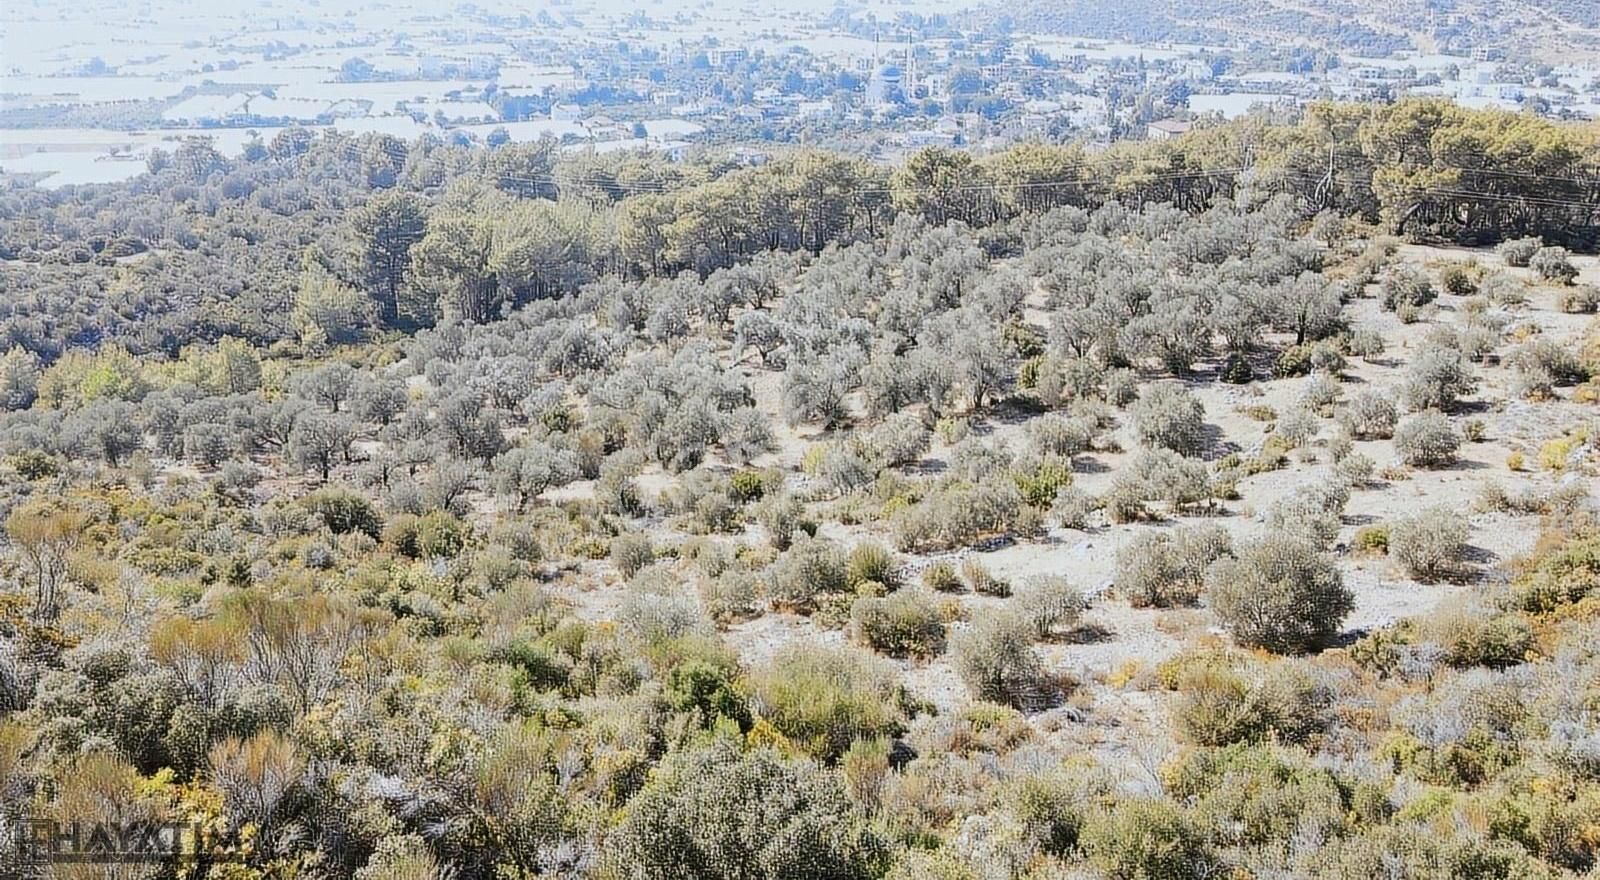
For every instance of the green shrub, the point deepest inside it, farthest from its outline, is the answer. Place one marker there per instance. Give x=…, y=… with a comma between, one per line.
x=1561, y=575
x=808, y=569
x=1141, y=839
x=1222, y=702
x=904, y=624
x=996, y=660
x=751, y=484
x=34, y=464
x=1459, y=279
x=434, y=535
x=723, y=813
x=708, y=689
x=1236, y=370
x=538, y=666
x=1371, y=539
x=343, y=511
x=1051, y=807
x=823, y=699
x=1259, y=795
x=1519, y=252
x=1040, y=483
x=941, y=577
x=1472, y=637
x=1294, y=360
x=869, y=561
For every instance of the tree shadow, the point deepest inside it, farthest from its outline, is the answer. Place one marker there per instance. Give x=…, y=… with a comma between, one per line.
x=1479, y=555
x=1089, y=465
x=1464, y=464
x=925, y=467
x=1083, y=634
x=1216, y=443
x=1349, y=637
x=1088, y=531
x=1015, y=410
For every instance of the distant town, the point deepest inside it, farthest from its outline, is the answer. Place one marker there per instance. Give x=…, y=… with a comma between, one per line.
x=878, y=81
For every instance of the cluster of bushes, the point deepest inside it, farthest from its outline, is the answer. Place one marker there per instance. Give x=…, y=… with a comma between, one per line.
x=958, y=514
x=1168, y=569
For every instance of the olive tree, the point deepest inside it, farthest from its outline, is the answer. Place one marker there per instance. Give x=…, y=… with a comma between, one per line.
x=330, y=385
x=1169, y=416
x=319, y=441
x=526, y=472
x=1279, y=593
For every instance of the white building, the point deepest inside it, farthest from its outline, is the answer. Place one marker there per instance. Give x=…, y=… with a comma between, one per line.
x=1167, y=129
x=725, y=57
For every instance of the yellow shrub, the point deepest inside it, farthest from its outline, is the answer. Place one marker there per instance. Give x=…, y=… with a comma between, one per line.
x=1124, y=673
x=812, y=460
x=1556, y=453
